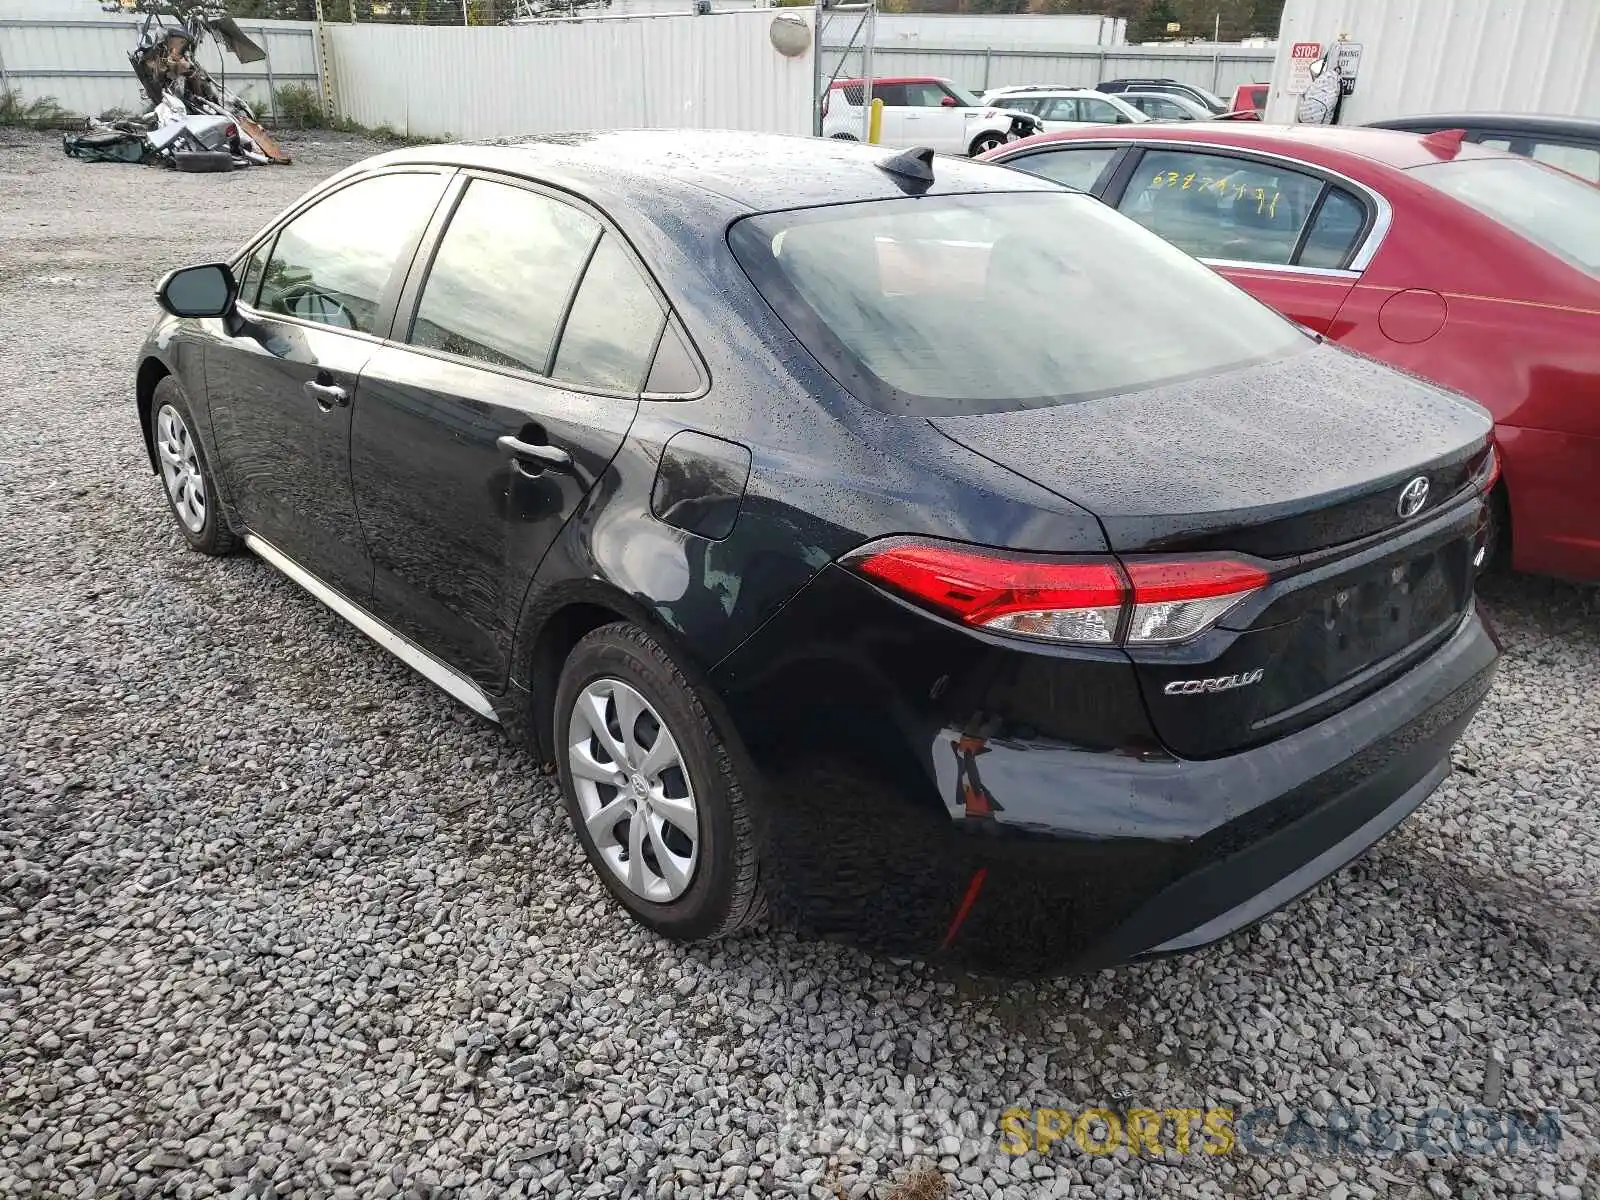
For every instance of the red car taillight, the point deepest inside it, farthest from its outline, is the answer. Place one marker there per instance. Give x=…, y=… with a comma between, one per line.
x=1486, y=470
x=1084, y=601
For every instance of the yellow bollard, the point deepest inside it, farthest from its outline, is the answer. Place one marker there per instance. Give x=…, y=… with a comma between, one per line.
x=875, y=121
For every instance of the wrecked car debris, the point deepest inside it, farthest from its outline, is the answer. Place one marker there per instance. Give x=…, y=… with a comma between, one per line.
x=196, y=123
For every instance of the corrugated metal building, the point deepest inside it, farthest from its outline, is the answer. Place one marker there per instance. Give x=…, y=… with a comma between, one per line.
x=1421, y=56
x=717, y=71
x=1220, y=68
x=977, y=30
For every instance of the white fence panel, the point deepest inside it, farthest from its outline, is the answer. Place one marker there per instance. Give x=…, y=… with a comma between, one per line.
x=82, y=62
x=714, y=71
x=1452, y=56
x=1221, y=70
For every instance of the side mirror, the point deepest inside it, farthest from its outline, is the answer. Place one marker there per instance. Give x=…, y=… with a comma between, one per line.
x=205, y=291
x=948, y=102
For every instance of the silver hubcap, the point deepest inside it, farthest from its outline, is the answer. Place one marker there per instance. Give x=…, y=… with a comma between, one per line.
x=180, y=468
x=633, y=790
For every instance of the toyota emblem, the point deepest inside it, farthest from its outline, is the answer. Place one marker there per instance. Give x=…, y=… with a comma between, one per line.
x=1413, y=496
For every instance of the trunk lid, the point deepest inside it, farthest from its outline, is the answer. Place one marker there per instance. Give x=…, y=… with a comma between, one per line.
x=1300, y=464
x=1275, y=460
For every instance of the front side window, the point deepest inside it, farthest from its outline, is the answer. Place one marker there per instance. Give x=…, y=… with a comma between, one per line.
x=1215, y=206
x=1168, y=110
x=923, y=95
x=884, y=294
x=1059, y=108
x=1101, y=112
x=1548, y=207
x=332, y=262
x=501, y=280
x=254, y=268
x=614, y=325
x=1075, y=168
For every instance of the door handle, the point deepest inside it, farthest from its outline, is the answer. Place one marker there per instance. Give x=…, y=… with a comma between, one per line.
x=553, y=457
x=327, y=395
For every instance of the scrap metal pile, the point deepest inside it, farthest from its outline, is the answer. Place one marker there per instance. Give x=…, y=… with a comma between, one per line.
x=196, y=123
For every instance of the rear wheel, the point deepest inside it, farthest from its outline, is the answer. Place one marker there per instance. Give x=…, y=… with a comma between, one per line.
x=986, y=142
x=653, y=792
x=845, y=137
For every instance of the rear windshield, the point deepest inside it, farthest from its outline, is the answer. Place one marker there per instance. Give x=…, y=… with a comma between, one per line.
x=945, y=305
x=1546, y=206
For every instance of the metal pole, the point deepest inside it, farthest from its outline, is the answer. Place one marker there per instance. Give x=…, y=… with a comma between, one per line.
x=866, y=68
x=816, y=68
x=987, y=51
x=272, y=86
x=1216, y=53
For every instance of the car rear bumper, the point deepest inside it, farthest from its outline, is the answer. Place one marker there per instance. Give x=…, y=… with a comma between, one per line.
x=1061, y=859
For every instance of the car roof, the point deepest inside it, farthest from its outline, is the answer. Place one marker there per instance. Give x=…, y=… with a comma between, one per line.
x=1024, y=89
x=1331, y=146
x=709, y=177
x=876, y=80
x=1152, y=95
x=1531, y=123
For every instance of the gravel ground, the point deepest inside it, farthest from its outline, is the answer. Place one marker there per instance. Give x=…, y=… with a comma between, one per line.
x=277, y=918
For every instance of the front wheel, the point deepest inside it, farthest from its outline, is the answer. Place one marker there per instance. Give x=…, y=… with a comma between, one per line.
x=656, y=797
x=190, y=486
x=986, y=142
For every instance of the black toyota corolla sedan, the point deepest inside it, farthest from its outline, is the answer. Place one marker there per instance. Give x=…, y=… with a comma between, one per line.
x=826, y=519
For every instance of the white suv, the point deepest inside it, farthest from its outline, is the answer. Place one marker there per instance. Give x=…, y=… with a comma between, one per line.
x=923, y=111
x=1062, y=108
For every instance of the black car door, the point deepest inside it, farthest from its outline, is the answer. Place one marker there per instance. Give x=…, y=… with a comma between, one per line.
x=513, y=373
x=283, y=380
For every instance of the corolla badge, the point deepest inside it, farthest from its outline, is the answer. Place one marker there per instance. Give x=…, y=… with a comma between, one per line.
x=1413, y=496
x=1218, y=683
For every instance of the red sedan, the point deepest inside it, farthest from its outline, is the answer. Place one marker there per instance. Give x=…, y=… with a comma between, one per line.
x=1474, y=269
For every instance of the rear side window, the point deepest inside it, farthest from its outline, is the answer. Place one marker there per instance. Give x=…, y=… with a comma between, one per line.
x=1215, y=206
x=332, y=262
x=615, y=323
x=501, y=279
x=896, y=297
x=1548, y=207
x=1333, y=233
x=1075, y=168
x=1582, y=161
x=852, y=94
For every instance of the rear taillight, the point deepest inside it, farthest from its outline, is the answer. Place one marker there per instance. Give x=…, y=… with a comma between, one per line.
x=1486, y=470
x=1080, y=600
x=825, y=97
x=1174, y=599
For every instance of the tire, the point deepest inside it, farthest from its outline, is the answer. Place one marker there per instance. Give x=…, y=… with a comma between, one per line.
x=186, y=477
x=985, y=142
x=844, y=137
x=682, y=887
